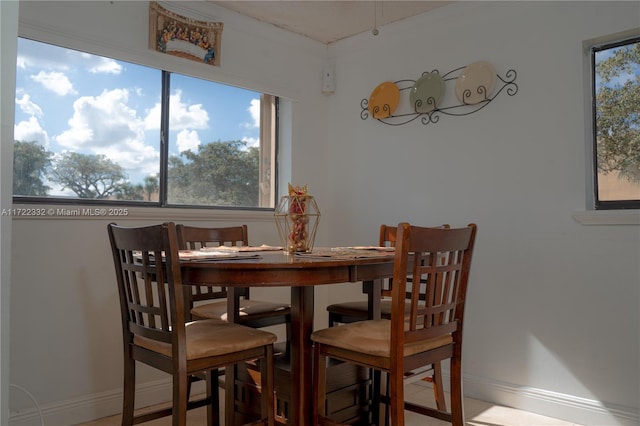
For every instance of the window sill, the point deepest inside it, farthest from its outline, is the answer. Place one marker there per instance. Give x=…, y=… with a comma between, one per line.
x=607, y=217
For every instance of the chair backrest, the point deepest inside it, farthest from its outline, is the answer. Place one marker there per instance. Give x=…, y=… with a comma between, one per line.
x=441, y=257
x=151, y=296
x=388, y=235
x=194, y=238
x=387, y=239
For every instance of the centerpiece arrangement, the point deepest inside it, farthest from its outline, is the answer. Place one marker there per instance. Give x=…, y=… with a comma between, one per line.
x=297, y=216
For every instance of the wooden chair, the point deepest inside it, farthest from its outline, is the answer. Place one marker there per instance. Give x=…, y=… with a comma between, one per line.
x=253, y=313
x=430, y=333
x=352, y=311
x=155, y=332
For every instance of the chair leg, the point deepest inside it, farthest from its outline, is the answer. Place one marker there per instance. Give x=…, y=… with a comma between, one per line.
x=192, y=379
x=179, y=414
x=287, y=350
x=397, y=397
x=319, y=384
x=386, y=400
x=267, y=382
x=376, y=379
x=438, y=388
x=213, y=408
x=457, y=401
x=230, y=394
x=128, y=403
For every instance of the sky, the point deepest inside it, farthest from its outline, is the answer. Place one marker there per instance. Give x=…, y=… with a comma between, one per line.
x=73, y=101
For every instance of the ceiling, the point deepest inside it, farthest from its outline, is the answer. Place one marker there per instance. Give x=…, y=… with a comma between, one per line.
x=329, y=21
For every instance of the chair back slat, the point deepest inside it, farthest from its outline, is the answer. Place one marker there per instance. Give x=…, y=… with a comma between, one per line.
x=148, y=276
x=195, y=238
x=441, y=258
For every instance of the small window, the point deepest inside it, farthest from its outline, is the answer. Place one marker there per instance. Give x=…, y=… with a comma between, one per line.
x=91, y=129
x=616, y=123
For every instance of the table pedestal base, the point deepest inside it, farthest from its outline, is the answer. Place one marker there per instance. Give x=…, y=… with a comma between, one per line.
x=349, y=391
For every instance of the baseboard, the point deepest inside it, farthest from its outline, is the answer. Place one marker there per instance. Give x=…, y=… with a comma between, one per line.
x=92, y=407
x=583, y=411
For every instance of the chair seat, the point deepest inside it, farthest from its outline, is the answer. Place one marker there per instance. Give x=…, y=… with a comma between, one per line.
x=218, y=310
x=373, y=337
x=212, y=337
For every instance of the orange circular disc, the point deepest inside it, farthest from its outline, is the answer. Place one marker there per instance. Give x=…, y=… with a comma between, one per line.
x=384, y=100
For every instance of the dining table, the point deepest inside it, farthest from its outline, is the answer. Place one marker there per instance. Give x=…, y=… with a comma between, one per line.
x=302, y=272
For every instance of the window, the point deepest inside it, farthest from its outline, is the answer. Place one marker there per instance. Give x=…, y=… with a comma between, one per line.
x=615, y=93
x=92, y=129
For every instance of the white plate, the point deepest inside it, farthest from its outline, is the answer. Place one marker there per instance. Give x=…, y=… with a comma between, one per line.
x=476, y=83
x=213, y=255
x=237, y=249
x=376, y=248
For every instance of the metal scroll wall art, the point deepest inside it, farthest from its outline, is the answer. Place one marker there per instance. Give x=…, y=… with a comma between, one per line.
x=400, y=102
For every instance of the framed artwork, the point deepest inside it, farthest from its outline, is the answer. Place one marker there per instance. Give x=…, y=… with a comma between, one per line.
x=184, y=37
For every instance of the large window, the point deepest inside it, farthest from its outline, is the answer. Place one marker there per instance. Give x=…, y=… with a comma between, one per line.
x=91, y=129
x=616, y=119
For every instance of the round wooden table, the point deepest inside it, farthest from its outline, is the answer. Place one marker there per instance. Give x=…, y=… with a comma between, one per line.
x=302, y=273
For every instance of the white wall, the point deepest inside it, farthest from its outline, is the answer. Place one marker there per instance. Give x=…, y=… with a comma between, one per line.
x=553, y=305
x=66, y=333
x=8, y=31
x=552, y=320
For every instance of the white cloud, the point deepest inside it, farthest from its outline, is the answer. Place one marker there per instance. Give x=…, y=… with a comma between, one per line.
x=22, y=62
x=188, y=140
x=254, y=110
x=105, y=66
x=181, y=116
x=33, y=54
x=29, y=131
x=251, y=141
x=136, y=157
x=38, y=59
x=105, y=124
x=29, y=107
x=57, y=82
x=101, y=121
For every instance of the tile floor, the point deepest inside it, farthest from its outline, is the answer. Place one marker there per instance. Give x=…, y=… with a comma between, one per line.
x=477, y=413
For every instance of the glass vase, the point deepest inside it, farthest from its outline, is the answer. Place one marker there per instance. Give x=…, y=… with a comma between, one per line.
x=297, y=218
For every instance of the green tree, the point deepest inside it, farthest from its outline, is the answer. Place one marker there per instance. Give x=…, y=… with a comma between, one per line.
x=151, y=186
x=220, y=173
x=30, y=163
x=129, y=192
x=89, y=176
x=618, y=113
